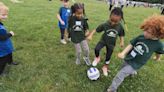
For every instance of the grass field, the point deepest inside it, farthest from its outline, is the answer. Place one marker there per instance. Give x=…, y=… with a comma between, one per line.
x=48, y=66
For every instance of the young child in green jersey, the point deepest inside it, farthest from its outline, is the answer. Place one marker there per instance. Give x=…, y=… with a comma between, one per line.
x=111, y=28
x=78, y=30
x=140, y=49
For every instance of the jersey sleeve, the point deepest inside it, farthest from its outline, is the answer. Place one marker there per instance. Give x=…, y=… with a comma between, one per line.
x=122, y=32
x=60, y=11
x=86, y=26
x=161, y=49
x=100, y=28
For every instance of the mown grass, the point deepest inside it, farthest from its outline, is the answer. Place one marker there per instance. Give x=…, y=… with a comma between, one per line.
x=48, y=66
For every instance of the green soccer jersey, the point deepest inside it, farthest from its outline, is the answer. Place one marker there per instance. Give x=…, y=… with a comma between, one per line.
x=142, y=50
x=110, y=34
x=77, y=29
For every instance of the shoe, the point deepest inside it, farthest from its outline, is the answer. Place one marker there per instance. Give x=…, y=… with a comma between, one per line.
x=69, y=39
x=14, y=63
x=105, y=70
x=87, y=61
x=110, y=90
x=134, y=74
x=78, y=62
x=63, y=41
x=96, y=61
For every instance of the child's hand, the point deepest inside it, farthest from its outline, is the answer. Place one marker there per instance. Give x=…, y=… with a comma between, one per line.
x=12, y=33
x=120, y=55
x=62, y=22
x=89, y=37
x=87, y=33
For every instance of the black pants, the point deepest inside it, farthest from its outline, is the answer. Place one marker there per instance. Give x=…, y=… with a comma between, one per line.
x=162, y=12
x=4, y=60
x=109, y=51
x=62, y=31
x=110, y=7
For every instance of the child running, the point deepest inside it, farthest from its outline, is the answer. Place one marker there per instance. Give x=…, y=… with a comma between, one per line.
x=140, y=49
x=78, y=30
x=111, y=28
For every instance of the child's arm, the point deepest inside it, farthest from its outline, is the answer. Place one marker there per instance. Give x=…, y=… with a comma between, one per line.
x=91, y=34
x=5, y=37
x=59, y=18
x=121, y=41
x=87, y=33
x=125, y=51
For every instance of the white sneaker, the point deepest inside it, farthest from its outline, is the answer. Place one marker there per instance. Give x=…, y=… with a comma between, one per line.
x=96, y=61
x=78, y=62
x=69, y=39
x=63, y=41
x=87, y=61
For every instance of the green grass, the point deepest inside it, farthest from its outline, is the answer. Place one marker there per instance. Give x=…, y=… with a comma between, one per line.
x=48, y=66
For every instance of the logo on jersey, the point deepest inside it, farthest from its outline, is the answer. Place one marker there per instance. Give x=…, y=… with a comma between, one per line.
x=112, y=33
x=139, y=48
x=78, y=26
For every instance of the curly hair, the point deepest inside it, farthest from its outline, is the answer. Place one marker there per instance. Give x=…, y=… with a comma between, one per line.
x=156, y=23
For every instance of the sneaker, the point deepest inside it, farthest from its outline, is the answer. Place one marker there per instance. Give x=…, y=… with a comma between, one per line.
x=69, y=39
x=96, y=61
x=78, y=62
x=134, y=73
x=110, y=90
x=14, y=63
x=87, y=61
x=63, y=41
x=105, y=70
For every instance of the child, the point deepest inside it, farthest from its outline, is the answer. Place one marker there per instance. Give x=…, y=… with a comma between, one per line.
x=78, y=30
x=63, y=15
x=6, y=47
x=112, y=28
x=140, y=49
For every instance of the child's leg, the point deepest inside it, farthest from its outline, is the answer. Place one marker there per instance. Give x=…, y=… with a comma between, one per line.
x=86, y=52
x=119, y=78
x=10, y=58
x=78, y=53
x=3, y=62
x=110, y=7
x=162, y=13
x=109, y=52
x=62, y=31
x=85, y=48
x=99, y=46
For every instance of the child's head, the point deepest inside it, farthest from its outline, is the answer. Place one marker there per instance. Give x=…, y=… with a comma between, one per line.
x=78, y=10
x=115, y=16
x=153, y=27
x=3, y=12
x=65, y=3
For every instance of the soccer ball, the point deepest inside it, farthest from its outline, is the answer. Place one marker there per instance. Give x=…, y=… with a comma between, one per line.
x=93, y=73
